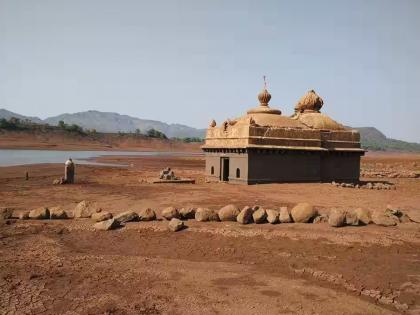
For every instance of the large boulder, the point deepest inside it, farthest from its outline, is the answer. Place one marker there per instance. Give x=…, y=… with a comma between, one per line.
x=187, y=213
x=272, y=216
x=284, y=215
x=259, y=216
x=170, y=213
x=85, y=209
x=127, y=216
x=229, y=213
x=41, y=213
x=57, y=213
x=363, y=216
x=337, y=218
x=303, y=212
x=383, y=219
x=101, y=216
x=6, y=213
x=175, y=225
x=147, y=214
x=245, y=216
x=351, y=218
x=205, y=214
x=107, y=225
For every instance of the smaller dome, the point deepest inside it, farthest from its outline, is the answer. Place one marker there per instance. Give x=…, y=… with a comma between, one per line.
x=318, y=121
x=264, y=97
x=309, y=102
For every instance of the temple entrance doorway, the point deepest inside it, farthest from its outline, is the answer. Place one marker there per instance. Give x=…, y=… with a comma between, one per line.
x=224, y=169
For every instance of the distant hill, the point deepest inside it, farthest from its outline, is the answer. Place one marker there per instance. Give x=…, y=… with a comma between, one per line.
x=372, y=138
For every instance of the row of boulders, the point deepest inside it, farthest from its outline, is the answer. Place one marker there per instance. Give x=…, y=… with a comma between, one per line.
x=301, y=213
x=366, y=185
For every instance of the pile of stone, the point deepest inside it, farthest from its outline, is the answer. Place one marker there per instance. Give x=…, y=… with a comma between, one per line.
x=167, y=174
x=366, y=185
x=390, y=174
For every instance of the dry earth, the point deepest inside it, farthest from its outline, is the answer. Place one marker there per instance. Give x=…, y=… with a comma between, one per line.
x=66, y=267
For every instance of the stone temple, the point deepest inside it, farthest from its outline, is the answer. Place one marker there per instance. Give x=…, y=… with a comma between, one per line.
x=264, y=146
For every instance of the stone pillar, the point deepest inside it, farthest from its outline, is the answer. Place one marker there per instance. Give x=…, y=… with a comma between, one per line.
x=69, y=172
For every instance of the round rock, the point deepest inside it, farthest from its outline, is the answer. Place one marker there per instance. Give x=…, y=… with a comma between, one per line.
x=303, y=212
x=228, y=213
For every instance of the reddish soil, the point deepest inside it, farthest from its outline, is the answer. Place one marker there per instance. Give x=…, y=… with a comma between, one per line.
x=66, y=267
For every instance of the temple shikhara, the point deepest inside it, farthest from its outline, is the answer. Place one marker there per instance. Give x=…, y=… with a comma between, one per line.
x=264, y=146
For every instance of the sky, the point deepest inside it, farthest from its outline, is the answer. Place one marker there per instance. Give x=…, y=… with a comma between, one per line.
x=191, y=61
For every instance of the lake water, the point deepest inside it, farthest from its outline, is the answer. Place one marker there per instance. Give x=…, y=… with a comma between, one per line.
x=22, y=157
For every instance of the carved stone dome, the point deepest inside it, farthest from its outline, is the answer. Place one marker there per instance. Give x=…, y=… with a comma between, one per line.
x=309, y=102
x=264, y=97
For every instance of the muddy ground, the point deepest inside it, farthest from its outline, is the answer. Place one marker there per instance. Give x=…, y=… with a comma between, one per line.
x=66, y=267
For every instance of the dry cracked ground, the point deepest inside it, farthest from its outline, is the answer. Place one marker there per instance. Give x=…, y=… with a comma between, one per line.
x=67, y=267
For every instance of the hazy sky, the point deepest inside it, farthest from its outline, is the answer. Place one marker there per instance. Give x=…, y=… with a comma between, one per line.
x=191, y=61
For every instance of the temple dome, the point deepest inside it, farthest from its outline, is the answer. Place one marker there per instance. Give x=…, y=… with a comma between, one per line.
x=264, y=97
x=309, y=102
x=318, y=120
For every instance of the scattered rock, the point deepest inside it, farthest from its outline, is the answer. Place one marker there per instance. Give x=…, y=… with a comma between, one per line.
x=303, y=212
x=404, y=218
x=259, y=216
x=187, y=213
x=205, y=214
x=101, y=216
x=229, y=213
x=337, y=218
x=322, y=218
x=393, y=211
x=245, y=216
x=41, y=213
x=382, y=219
x=127, y=216
x=175, y=225
x=351, y=218
x=147, y=214
x=6, y=213
x=57, y=213
x=24, y=215
x=107, y=225
x=84, y=209
x=284, y=215
x=363, y=216
x=272, y=216
x=170, y=213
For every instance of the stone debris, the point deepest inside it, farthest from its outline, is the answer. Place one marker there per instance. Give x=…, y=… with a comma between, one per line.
x=337, y=217
x=245, y=216
x=229, y=213
x=167, y=174
x=170, y=213
x=126, y=216
x=322, y=218
x=272, y=216
x=187, y=213
x=175, y=225
x=85, y=209
x=389, y=173
x=366, y=185
x=260, y=216
x=284, y=215
x=41, y=213
x=147, y=214
x=101, y=216
x=24, y=215
x=303, y=212
x=205, y=214
x=107, y=225
x=57, y=213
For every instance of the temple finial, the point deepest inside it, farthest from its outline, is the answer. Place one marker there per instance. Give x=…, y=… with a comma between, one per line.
x=265, y=82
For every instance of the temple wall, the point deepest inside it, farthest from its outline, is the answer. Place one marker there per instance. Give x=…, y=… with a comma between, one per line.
x=236, y=161
x=340, y=166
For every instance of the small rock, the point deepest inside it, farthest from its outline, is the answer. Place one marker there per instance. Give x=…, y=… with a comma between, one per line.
x=245, y=216
x=170, y=213
x=107, y=225
x=229, y=213
x=284, y=215
x=39, y=214
x=84, y=209
x=363, y=216
x=57, y=213
x=127, y=216
x=393, y=211
x=205, y=214
x=24, y=215
x=303, y=212
x=147, y=214
x=259, y=216
x=6, y=213
x=382, y=219
x=101, y=216
x=351, y=218
x=337, y=217
x=272, y=216
x=322, y=218
x=187, y=213
x=175, y=225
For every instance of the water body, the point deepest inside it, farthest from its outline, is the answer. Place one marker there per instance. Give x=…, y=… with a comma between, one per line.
x=23, y=157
